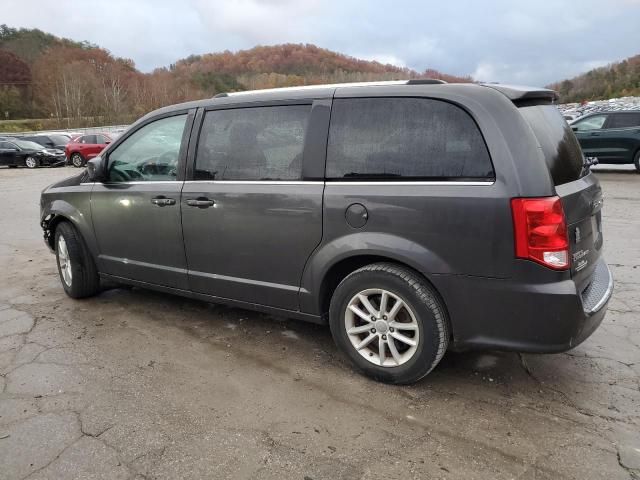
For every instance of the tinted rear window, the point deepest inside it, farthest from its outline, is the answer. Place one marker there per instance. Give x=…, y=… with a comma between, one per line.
x=258, y=143
x=404, y=138
x=625, y=120
x=559, y=145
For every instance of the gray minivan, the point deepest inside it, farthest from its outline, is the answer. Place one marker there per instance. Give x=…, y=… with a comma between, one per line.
x=410, y=216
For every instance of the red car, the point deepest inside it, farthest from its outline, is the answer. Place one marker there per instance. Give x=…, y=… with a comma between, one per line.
x=85, y=147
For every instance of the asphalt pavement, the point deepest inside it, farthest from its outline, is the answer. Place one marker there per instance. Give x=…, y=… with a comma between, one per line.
x=137, y=384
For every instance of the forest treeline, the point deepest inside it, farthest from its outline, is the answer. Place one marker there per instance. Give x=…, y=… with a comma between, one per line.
x=78, y=83
x=619, y=79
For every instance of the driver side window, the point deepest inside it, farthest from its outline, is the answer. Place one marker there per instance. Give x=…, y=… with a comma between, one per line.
x=592, y=123
x=149, y=154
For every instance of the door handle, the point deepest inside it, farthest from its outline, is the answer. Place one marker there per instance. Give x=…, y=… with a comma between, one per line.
x=163, y=201
x=200, y=202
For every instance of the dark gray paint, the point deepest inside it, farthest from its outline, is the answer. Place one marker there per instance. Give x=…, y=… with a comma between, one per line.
x=270, y=246
x=136, y=238
x=253, y=243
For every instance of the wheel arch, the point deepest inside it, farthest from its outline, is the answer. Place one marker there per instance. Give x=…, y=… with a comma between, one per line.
x=335, y=260
x=62, y=211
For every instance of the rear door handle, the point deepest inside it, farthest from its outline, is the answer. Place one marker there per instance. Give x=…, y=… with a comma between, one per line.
x=163, y=201
x=200, y=202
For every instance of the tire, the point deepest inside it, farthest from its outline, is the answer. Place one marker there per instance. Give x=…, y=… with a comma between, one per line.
x=636, y=161
x=77, y=270
x=422, y=320
x=31, y=162
x=77, y=160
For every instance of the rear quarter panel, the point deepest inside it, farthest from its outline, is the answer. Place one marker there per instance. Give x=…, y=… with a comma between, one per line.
x=438, y=228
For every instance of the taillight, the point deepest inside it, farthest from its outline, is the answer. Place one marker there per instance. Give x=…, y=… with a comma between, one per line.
x=540, y=231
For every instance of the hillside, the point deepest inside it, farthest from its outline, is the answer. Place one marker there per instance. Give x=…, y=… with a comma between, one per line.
x=288, y=65
x=29, y=44
x=618, y=79
x=77, y=83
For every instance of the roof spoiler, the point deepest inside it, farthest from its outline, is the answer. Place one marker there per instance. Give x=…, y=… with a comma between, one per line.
x=523, y=96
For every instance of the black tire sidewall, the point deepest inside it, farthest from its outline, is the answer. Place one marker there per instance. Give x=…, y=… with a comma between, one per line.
x=426, y=355
x=77, y=155
x=76, y=256
x=636, y=161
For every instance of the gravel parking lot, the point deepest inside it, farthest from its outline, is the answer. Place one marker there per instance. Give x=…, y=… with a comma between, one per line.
x=136, y=384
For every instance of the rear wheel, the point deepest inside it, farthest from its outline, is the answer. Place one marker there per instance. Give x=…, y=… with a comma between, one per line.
x=31, y=162
x=77, y=270
x=390, y=322
x=77, y=160
x=636, y=161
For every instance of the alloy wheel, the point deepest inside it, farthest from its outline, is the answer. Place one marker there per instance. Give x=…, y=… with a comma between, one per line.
x=64, y=261
x=76, y=159
x=31, y=162
x=382, y=327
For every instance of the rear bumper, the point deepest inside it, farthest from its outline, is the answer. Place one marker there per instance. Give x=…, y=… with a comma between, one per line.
x=504, y=314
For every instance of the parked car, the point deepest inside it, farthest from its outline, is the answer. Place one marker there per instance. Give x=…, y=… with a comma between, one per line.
x=409, y=217
x=86, y=147
x=52, y=140
x=611, y=137
x=15, y=152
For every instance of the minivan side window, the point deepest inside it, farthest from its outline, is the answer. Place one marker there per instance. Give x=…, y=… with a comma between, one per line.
x=592, y=123
x=404, y=138
x=150, y=153
x=625, y=120
x=254, y=143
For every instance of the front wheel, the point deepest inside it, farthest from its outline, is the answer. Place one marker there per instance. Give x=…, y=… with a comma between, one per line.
x=76, y=268
x=390, y=322
x=77, y=160
x=636, y=161
x=31, y=162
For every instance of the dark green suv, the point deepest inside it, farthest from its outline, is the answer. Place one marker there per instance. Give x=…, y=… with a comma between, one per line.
x=611, y=137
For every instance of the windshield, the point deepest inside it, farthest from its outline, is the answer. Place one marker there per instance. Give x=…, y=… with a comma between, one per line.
x=28, y=145
x=559, y=145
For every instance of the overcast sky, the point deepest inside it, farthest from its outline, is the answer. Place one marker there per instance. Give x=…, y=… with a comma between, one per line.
x=526, y=41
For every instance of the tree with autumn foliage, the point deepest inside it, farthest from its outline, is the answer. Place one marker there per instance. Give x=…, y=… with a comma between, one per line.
x=78, y=84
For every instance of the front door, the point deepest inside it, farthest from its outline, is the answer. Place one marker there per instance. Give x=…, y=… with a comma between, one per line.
x=250, y=218
x=589, y=131
x=136, y=211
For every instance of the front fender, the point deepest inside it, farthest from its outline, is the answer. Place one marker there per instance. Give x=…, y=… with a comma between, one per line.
x=75, y=207
x=384, y=245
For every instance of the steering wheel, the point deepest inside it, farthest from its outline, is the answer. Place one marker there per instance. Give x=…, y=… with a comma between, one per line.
x=165, y=164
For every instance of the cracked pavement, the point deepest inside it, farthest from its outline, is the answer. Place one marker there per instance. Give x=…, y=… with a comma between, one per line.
x=134, y=384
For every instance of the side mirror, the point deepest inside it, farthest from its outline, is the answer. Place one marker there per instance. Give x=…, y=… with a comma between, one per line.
x=95, y=169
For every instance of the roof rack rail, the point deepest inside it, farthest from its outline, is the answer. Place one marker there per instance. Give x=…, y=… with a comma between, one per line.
x=221, y=94
x=424, y=81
